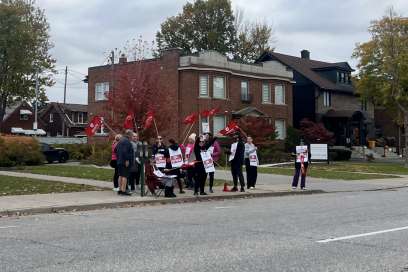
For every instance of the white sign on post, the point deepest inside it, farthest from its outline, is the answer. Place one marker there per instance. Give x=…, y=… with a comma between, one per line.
x=208, y=162
x=302, y=153
x=319, y=152
x=206, y=127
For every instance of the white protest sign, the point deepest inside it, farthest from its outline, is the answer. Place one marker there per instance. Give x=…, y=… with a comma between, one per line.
x=233, y=150
x=253, y=159
x=176, y=158
x=206, y=127
x=208, y=162
x=319, y=152
x=302, y=153
x=160, y=160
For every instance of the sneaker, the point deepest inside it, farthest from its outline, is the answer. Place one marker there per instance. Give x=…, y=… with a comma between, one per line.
x=195, y=193
x=294, y=188
x=203, y=193
x=303, y=189
x=234, y=189
x=115, y=189
x=127, y=193
x=242, y=190
x=211, y=190
x=252, y=188
x=182, y=192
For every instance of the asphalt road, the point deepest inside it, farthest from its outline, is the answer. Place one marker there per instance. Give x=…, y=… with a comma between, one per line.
x=265, y=234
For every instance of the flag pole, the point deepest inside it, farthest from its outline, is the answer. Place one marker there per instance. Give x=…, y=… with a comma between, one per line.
x=108, y=127
x=188, y=133
x=155, y=126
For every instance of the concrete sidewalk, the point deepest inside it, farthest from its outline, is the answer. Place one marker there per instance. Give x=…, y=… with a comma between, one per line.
x=267, y=185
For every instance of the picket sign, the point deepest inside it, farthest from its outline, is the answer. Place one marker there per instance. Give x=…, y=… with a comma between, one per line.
x=233, y=150
x=302, y=153
x=211, y=150
x=253, y=159
x=176, y=158
x=160, y=160
x=208, y=162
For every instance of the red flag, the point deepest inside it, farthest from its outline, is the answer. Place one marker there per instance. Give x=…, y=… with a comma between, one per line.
x=128, y=124
x=231, y=128
x=191, y=119
x=212, y=112
x=93, y=126
x=149, y=119
x=205, y=113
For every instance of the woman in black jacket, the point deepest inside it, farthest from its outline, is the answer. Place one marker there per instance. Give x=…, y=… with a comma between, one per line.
x=200, y=175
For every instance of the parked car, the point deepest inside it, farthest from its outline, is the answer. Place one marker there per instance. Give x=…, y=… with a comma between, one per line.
x=54, y=154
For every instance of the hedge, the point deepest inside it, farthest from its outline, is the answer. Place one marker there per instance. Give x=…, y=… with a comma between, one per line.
x=20, y=151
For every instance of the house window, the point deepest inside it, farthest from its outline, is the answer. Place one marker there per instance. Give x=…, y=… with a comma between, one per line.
x=279, y=95
x=204, y=125
x=102, y=130
x=203, y=86
x=342, y=77
x=101, y=90
x=51, y=118
x=244, y=91
x=280, y=128
x=326, y=99
x=266, y=93
x=218, y=123
x=23, y=117
x=219, y=87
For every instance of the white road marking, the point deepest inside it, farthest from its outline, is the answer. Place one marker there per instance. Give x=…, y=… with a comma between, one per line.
x=8, y=227
x=361, y=235
x=227, y=207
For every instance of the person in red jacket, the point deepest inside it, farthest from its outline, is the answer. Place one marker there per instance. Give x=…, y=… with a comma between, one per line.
x=215, y=150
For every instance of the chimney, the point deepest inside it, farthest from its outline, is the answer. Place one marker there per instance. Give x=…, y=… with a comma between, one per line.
x=305, y=54
x=122, y=59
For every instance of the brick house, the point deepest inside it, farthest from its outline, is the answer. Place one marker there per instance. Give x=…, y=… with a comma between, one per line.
x=64, y=119
x=204, y=81
x=323, y=92
x=19, y=118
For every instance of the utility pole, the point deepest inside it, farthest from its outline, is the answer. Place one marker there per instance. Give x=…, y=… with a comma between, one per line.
x=65, y=100
x=112, y=57
x=37, y=85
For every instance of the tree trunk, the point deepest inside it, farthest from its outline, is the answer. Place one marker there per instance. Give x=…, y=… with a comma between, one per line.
x=3, y=105
x=406, y=138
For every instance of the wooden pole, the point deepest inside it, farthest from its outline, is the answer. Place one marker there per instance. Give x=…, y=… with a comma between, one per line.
x=188, y=133
x=108, y=127
x=155, y=126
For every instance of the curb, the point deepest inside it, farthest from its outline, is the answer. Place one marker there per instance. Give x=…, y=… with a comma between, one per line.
x=164, y=201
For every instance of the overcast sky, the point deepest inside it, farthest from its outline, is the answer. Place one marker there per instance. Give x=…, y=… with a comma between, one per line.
x=83, y=32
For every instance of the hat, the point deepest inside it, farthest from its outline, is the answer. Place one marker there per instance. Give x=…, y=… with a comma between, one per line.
x=192, y=136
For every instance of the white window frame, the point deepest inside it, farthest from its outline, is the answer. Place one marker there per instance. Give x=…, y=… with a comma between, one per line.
x=101, y=90
x=245, y=96
x=224, y=89
x=217, y=130
x=101, y=130
x=283, y=102
x=268, y=100
x=326, y=99
x=201, y=92
x=280, y=137
x=24, y=117
x=51, y=118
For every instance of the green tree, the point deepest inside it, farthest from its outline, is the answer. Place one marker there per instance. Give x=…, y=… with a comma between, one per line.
x=383, y=65
x=24, y=52
x=203, y=25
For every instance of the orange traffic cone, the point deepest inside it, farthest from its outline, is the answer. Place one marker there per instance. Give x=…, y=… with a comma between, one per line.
x=226, y=189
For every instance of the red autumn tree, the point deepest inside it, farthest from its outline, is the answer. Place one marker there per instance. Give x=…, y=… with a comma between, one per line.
x=137, y=92
x=260, y=129
x=315, y=132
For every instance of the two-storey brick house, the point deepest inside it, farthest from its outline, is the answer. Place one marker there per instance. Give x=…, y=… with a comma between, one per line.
x=323, y=92
x=205, y=81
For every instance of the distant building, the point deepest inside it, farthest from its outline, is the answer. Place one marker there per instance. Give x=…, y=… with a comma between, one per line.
x=323, y=92
x=67, y=120
x=204, y=81
x=19, y=119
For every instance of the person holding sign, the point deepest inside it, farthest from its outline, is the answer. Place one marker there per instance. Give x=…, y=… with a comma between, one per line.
x=202, y=166
x=237, y=160
x=301, y=165
x=215, y=152
x=159, y=151
x=174, y=161
x=251, y=163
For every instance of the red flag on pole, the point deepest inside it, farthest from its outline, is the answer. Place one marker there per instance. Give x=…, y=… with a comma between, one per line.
x=93, y=126
x=128, y=124
x=230, y=128
x=149, y=119
x=207, y=113
x=191, y=119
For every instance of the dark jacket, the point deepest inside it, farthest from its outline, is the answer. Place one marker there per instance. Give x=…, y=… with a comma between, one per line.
x=199, y=166
x=162, y=149
x=124, y=151
x=239, y=153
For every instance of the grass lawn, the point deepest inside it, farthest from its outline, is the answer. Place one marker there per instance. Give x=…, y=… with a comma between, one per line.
x=85, y=172
x=25, y=186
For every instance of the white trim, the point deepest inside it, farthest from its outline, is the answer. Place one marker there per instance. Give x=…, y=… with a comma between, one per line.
x=236, y=74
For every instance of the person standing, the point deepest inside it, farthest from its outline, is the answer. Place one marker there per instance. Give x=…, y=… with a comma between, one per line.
x=189, y=158
x=199, y=170
x=215, y=151
x=113, y=163
x=237, y=160
x=174, y=162
x=135, y=169
x=251, y=163
x=301, y=165
x=124, y=153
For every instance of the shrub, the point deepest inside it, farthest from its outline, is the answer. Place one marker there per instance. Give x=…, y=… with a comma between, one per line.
x=101, y=154
x=77, y=152
x=315, y=132
x=336, y=154
x=18, y=151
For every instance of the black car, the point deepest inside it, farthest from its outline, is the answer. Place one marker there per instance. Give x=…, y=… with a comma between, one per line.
x=54, y=154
